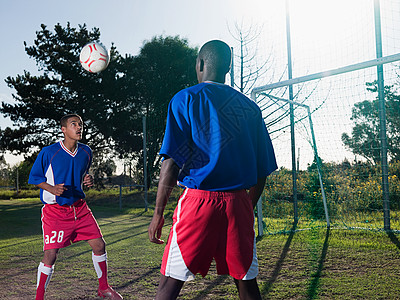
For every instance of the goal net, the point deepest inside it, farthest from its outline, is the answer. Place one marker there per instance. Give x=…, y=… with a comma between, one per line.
x=342, y=101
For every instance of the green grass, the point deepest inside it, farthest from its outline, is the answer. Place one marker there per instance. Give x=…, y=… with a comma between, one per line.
x=7, y=194
x=311, y=263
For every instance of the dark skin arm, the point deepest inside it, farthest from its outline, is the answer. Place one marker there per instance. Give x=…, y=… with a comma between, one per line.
x=256, y=191
x=58, y=189
x=168, y=177
x=88, y=180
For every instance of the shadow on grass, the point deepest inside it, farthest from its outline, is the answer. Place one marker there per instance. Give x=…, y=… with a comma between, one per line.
x=211, y=286
x=393, y=238
x=278, y=266
x=22, y=219
x=313, y=288
x=19, y=219
x=89, y=250
x=149, y=274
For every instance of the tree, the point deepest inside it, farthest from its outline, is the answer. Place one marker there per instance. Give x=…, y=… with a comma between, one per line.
x=19, y=173
x=4, y=172
x=111, y=103
x=63, y=87
x=104, y=168
x=164, y=66
x=364, y=139
x=246, y=57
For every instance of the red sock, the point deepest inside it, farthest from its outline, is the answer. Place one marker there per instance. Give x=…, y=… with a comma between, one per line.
x=43, y=279
x=100, y=265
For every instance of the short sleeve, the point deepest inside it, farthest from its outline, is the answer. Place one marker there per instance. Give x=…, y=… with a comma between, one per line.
x=37, y=174
x=90, y=154
x=176, y=143
x=266, y=155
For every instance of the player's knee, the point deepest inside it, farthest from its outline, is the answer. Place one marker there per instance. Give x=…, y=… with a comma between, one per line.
x=98, y=246
x=50, y=256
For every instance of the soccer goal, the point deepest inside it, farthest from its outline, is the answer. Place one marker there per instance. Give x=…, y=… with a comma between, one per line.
x=343, y=101
x=319, y=96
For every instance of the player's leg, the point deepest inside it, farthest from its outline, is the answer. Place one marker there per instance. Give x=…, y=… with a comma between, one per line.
x=56, y=235
x=99, y=257
x=87, y=229
x=168, y=288
x=240, y=248
x=191, y=244
x=50, y=256
x=98, y=246
x=248, y=289
x=45, y=271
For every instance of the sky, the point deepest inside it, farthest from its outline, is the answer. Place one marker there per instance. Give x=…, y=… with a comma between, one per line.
x=322, y=30
x=126, y=23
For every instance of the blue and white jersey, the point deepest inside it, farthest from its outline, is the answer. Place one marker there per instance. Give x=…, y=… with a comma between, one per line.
x=217, y=137
x=55, y=164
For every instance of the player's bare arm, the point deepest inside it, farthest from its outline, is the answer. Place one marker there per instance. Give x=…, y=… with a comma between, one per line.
x=56, y=190
x=88, y=180
x=256, y=191
x=168, y=177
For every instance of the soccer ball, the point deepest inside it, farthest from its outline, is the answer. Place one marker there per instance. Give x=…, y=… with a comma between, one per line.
x=94, y=57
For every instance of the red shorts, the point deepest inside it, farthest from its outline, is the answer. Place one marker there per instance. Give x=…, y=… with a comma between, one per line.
x=64, y=225
x=211, y=225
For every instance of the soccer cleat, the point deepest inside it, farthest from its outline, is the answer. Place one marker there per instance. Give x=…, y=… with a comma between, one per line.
x=109, y=293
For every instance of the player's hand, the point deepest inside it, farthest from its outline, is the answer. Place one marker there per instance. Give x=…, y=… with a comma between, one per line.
x=58, y=189
x=155, y=229
x=88, y=180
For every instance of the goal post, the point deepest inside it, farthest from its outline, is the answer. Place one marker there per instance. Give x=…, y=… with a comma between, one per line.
x=317, y=160
x=266, y=91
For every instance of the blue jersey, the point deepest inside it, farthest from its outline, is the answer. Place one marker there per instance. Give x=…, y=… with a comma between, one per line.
x=55, y=164
x=217, y=137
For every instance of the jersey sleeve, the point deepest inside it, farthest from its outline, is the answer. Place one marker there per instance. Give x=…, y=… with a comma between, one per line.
x=37, y=174
x=90, y=160
x=176, y=143
x=266, y=155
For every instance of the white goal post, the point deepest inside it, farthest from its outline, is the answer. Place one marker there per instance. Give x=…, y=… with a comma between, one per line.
x=262, y=90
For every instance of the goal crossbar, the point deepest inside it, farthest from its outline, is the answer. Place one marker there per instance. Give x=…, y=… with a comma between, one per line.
x=332, y=72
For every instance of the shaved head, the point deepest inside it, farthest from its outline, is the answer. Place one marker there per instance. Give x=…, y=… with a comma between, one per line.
x=216, y=56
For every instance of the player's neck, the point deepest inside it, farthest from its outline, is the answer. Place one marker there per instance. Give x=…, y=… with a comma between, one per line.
x=219, y=80
x=212, y=76
x=70, y=144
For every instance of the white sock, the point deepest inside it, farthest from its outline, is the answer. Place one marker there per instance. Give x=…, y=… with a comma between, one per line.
x=45, y=270
x=96, y=259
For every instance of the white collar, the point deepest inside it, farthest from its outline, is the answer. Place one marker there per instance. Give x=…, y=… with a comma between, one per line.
x=67, y=150
x=214, y=82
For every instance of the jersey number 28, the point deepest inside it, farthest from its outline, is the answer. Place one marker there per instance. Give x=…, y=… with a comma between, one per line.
x=54, y=237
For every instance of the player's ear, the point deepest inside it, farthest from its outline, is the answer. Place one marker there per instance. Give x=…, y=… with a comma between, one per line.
x=201, y=67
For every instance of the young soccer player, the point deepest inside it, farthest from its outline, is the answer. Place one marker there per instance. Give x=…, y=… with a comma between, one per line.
x=217, y=146
x=60, y=171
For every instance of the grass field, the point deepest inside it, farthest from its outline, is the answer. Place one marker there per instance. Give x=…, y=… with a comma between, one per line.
x=309, y=264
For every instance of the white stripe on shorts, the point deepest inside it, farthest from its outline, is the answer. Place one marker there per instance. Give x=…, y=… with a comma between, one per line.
x=253, y=270
x=176, y=267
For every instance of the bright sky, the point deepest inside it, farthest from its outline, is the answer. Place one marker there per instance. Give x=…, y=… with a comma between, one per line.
x=128, y=23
